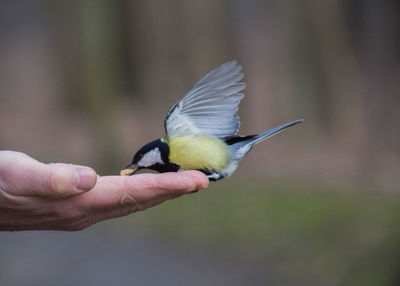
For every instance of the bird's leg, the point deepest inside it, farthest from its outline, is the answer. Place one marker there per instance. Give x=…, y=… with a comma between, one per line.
x=215, y=177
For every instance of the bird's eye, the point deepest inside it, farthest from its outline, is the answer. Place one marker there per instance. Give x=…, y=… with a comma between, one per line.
x=139, y=157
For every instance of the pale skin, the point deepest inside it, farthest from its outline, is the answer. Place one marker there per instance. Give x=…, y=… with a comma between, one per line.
x=38, y=196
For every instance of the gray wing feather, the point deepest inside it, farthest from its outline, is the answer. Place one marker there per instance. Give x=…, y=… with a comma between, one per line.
x=211, y=106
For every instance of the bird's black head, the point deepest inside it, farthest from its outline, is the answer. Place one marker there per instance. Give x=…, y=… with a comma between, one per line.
x=153, y=155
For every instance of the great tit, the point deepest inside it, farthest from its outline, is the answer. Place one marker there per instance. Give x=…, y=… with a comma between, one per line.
x=201, y=130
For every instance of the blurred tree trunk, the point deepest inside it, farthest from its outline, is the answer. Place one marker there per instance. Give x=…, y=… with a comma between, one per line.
x=100, y=42
x=381, y=39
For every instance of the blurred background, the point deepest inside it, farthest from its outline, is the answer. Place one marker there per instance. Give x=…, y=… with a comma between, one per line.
x=89, y=82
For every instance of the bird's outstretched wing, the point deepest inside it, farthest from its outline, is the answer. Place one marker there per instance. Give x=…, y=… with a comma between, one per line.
x=211, y=106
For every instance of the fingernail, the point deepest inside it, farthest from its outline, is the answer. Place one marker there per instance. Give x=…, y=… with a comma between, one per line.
x=85, y=179
x=202, y=186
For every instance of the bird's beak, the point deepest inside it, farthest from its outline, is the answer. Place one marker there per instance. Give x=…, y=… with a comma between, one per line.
x=129, y=170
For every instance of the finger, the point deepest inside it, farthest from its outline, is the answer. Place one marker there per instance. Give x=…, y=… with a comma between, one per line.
x=111, y=197
x=141, y=191
x=32, y=178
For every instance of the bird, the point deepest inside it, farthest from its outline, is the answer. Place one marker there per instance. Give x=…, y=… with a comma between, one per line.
x=201, y=130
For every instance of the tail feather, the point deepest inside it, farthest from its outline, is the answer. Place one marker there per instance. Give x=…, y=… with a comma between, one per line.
x=236, y=139
x=241, y=145
x=267, y=134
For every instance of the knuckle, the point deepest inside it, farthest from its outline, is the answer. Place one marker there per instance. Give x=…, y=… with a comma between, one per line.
x=53, y=183
x=156, y=182
x=128, y=199
x=60, y=180
x=8, y=176
x=148, y=181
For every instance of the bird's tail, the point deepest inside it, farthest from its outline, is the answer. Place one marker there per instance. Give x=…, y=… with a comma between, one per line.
x=241, y=145
x=267, y=134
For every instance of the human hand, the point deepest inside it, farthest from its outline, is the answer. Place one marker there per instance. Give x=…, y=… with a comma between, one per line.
x=59, y=196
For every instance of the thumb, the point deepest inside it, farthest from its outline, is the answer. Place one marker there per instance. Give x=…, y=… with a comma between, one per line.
x=32, y=178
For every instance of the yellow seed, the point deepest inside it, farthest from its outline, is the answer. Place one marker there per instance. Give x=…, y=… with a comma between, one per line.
x=126, y=172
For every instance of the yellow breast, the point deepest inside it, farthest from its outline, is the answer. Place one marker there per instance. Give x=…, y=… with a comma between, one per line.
x=198, y=152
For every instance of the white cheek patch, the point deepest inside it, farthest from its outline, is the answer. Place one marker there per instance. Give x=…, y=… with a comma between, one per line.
x=151, y=158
